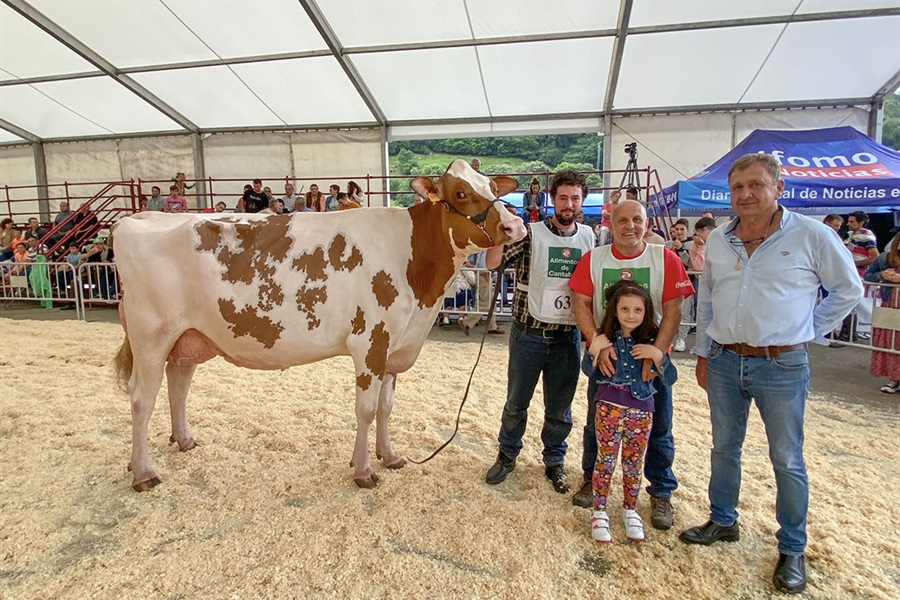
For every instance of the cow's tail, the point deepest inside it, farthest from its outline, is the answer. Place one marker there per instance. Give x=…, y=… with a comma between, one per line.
x=124, y=363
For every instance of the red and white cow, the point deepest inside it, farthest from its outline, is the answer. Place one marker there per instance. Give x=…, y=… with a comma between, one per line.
x=270, y=292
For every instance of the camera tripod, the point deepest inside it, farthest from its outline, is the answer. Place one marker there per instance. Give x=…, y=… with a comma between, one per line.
x=630, y=177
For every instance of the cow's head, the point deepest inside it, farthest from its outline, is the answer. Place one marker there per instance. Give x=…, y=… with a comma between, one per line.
x=473, y=213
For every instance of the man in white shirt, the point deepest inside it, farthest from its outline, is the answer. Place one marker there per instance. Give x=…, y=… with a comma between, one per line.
x=756, y=312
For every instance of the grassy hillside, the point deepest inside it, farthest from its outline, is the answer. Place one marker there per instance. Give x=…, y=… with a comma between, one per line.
x=445, y=159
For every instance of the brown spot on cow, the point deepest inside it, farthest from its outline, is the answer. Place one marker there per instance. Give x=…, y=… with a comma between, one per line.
x=336, y=254
x=431, y=266
x=307, y=298
x=270, y=294
x=384, y=290
x=248, y=322
x=358, y=324
x=210, y=235
x=376, y=358
x=313, y=263
x=363, y=381
x=261, y=246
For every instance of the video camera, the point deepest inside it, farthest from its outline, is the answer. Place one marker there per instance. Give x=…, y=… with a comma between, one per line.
x=631, y=150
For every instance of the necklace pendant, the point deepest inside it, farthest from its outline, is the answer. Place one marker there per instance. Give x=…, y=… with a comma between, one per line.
x=737, y=266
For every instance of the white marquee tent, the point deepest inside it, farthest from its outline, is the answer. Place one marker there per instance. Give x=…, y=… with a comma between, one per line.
x=114, y=89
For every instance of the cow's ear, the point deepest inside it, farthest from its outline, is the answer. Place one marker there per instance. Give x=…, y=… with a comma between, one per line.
x=423, y=186
x=504, y=185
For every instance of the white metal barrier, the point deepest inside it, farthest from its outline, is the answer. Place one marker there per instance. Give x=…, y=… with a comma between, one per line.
x=54, y=283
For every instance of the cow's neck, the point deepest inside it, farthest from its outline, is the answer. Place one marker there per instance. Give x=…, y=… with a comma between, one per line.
x=436, y=258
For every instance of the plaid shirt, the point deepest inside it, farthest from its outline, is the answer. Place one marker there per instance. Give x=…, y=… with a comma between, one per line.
x=518, y=255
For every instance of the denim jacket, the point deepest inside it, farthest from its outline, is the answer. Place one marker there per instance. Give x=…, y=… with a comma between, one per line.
x=628, y=369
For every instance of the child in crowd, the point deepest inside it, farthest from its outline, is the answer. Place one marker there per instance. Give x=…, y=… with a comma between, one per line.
x=625, y=401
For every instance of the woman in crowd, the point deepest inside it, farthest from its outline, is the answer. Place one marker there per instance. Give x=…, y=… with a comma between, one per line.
x=886, y=269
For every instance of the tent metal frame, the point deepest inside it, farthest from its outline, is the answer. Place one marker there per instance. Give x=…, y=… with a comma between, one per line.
x=343, y=55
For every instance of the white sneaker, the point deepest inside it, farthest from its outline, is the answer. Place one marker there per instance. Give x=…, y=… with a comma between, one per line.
x=600, y=527
x=893, y=387
x=445, y=320
x=679, y=345
x=634, y=527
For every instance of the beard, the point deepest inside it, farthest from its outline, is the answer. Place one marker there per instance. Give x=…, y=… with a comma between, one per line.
x=565, y=219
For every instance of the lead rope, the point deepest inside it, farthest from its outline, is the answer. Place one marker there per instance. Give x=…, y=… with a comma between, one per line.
x=499, y=270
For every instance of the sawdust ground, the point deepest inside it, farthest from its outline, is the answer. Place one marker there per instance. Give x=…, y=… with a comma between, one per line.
x=265, y=507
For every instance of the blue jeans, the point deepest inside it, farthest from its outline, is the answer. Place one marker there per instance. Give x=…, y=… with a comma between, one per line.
x=661, y=446
x=780, y=386
x=531, y=356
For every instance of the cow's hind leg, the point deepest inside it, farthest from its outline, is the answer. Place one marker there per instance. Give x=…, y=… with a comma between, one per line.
x=179, y=379
x=146, y=379
x=383, y=448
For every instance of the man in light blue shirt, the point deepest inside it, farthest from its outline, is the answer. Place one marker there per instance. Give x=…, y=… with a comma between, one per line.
x=756, y=311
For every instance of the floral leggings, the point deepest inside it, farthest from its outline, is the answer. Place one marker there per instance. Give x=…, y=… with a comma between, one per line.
x=629, y=427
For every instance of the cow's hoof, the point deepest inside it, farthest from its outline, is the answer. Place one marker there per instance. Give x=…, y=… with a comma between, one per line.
x=190, y=444
x=368, y=482
x=397, y=464
x=145, y=486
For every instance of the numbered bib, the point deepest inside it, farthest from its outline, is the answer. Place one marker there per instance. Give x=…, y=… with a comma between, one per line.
x=558, y=303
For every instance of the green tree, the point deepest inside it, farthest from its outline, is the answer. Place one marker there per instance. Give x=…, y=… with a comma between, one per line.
x=890, y=132
x=406, y=162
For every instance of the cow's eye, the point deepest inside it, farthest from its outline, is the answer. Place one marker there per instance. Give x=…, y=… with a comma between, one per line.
x=461, y=195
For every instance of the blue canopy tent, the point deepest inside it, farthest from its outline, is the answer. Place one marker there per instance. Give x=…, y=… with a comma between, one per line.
x=825, y=170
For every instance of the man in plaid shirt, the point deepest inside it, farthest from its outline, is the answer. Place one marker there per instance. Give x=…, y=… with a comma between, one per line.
x=543, y=340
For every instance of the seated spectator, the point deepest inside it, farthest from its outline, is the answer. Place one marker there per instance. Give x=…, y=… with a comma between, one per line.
x=142, y=203
x=64, y=275
x=180, y=184
x=84, y=219
x=157, y=200
x=631, y=193
x=289, y=199
x=255, y=199
x=355, y=193
x=8, y=234
x=35, y=247
x=20, y=257
x=458, y=295
x=34, y=229
x=652, y=237
x=344, y=202
x=174, y=203
x=331, y=200
x=104, y=276
x=534, y=203
x=315, y=200
x=702, y=228
x=268, y=192
x=64, y=213
x=277, y=207
x=220, y=207
x=606, y=209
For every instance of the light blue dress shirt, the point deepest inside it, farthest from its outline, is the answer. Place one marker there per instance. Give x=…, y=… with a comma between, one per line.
x=770, y=299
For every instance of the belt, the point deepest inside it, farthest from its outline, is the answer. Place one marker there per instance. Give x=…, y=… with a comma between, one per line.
x=771, y=351
x=544, y=333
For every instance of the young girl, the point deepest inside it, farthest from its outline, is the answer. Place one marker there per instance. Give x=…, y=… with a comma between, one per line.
x=624, y=401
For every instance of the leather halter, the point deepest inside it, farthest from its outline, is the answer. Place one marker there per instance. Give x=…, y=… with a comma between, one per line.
x=478, y=219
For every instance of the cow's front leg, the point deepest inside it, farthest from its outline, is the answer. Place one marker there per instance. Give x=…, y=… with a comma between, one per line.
x=383, y=448
x=366, y=406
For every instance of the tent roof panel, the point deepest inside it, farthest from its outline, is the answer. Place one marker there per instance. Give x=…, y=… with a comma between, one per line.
x=824, y=60
x=282, y=26
x=689, y=68
x=663, y=12
x=211, y=97
x=307, y=91
x=128, y=34
x=44, y=55
x=508, y=18
x=366, y=23
x=37, y=112
x=425, y=84
x=513, y=74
